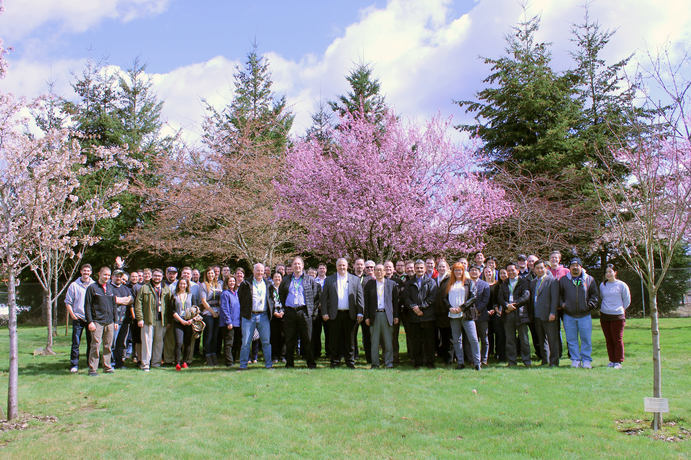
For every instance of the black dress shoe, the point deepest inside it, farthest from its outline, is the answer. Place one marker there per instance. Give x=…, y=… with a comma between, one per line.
x=478, y=367
x=460, y=366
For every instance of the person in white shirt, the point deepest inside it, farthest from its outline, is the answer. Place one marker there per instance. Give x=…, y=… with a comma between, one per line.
x=381, y=313
x=616, y=298
x=256, y=310
x=342, y=309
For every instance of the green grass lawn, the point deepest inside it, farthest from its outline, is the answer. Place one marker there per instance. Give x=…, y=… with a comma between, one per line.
x=342, y=413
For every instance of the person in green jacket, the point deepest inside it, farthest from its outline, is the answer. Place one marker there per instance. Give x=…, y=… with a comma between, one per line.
x=151, y=311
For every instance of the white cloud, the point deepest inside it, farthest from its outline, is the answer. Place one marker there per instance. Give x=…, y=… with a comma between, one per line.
x=21, y=17
x=183, y=90
x=30, y=78
x=424, y=56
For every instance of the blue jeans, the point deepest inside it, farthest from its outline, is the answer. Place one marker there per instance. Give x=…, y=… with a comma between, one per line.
x=77, y=327
x=575, y=328
x=470, y=333
x=260, y=321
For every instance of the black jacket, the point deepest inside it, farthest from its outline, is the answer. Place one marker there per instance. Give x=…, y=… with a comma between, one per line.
x=99, y=305
x=423, y=298
x=521, y=299
x=443, y=297
x=329, y=296
x=245, y=299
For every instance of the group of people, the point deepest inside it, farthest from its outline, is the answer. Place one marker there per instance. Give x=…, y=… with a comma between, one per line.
x=467, y=313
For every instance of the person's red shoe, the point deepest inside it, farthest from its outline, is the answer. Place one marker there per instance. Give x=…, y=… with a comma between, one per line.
x=177, y=367
x=184, y=365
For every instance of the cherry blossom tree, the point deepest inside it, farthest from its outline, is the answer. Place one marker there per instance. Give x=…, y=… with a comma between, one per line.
x=41, y=217
x=392, y=191
x=649, y=214
x=68, y=223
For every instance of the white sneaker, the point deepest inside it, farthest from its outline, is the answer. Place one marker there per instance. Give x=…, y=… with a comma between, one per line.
x=74, y=369
x=610, y=365
x=617, y=365
x=587, y=365
x=575, y=363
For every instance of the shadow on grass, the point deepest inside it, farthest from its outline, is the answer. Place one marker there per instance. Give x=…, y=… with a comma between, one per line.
x=662, y=327
x=43, y=366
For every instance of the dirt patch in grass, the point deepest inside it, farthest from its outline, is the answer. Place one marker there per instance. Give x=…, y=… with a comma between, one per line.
x=671, y=431
x=22, y=423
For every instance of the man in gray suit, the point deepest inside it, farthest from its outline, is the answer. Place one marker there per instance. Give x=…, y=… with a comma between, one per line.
x=381, y=313
x=544, y=295
x=342, y=310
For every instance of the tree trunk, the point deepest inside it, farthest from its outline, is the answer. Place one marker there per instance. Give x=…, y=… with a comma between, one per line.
x=657, y=364
x=48, y=313
x=54, y=295
x=14, y=367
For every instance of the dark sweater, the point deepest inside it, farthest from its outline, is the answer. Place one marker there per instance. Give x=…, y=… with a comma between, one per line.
x=99, y=305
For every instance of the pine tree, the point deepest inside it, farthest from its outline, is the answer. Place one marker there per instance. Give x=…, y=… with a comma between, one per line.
x=527, y=113
x=255, y=112
x=609, y=116
x=364, y=96
x=118, y=110
x=139, y=112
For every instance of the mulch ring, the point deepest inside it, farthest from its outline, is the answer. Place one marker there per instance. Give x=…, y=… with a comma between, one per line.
x=671, y=430
x=23, y=422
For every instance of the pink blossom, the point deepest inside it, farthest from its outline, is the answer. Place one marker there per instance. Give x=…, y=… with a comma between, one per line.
x=392, y=190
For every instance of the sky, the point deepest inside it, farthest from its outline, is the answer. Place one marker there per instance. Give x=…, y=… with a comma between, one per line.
x=425, y=53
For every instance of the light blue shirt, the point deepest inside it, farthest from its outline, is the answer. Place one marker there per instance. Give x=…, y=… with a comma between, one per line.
x=296, y=293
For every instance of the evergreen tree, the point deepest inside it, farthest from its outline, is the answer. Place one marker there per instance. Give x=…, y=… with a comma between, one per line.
x=363, y=97
x=139, y=112
x=609, y=116
x=118, y=110
x=95, y=111
x=255, y=113
x=526, y=116
x=321, y=125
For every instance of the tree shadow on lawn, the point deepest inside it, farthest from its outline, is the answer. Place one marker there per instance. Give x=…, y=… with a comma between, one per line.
x=53, y=367
x=662, y=327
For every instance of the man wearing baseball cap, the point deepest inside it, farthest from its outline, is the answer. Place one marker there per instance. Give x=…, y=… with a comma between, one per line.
x=579, y=295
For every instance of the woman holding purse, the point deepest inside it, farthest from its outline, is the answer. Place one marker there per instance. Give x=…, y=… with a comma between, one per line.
x=459, y=303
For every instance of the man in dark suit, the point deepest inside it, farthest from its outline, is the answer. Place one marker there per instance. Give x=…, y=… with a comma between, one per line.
x=342, y=310
x=256, y=310
x=544, y=296
x=514, y=299
x=420, y=294
x=391, y=273
x=381, y=313
x=300, y=296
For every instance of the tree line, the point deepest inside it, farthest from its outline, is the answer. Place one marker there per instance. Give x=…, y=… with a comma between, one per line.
x=580, y=160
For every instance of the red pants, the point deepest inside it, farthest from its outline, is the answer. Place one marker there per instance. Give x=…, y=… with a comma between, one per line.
x=614, y=336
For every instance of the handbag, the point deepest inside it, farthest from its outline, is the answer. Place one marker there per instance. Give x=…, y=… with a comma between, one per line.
x=470, y=311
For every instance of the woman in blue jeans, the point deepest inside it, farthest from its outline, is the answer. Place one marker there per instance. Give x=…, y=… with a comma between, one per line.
x=454, y=292
x=210, y=299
